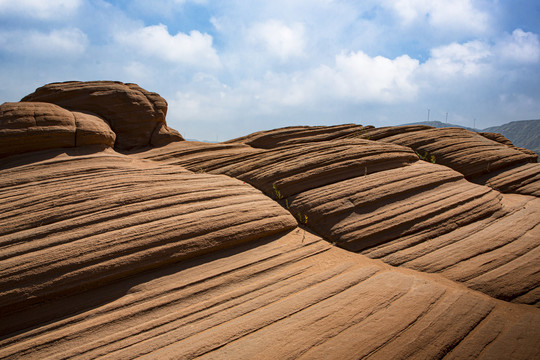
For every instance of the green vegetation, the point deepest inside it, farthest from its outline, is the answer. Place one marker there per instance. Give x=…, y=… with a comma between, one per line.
x=426, y=157
x=363, y=134
x=302, y=218
x=277, y=192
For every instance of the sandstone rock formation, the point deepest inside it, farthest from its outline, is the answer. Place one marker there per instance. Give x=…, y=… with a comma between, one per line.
x=136, y=116
x=38, y=126
x=302, y=242
x=381, y=200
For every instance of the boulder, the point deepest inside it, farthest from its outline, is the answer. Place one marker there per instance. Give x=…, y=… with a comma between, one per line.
x=33, y=126
x=136, y=116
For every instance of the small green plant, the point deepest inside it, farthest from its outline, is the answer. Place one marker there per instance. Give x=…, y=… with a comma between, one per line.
x=426, y=157
x=277, y=192
x=363, y=134
x=302, y=218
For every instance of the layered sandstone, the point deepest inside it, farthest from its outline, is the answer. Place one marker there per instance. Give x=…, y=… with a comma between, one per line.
x=136, y=115
x=303, y=242
x=36, y=126
x=380, y=199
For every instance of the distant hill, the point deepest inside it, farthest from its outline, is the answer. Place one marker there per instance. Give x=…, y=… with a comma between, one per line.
x=438, y=124
x=524, y=133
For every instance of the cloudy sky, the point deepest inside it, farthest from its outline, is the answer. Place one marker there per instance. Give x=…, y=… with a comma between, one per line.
x=231, y=67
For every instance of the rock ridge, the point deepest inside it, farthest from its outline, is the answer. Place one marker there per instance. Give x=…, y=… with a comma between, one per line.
x=327, y=242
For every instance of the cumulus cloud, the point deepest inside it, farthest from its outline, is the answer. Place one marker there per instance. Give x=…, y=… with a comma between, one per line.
x=380, y=79
x=354, y=78
x=456, y=14
x=469, y=59
x=481, y=58
x=520, y=47
x=278, y=39
x=165, y=8
x=54, y=44
x=194, y=48
x=39, y=9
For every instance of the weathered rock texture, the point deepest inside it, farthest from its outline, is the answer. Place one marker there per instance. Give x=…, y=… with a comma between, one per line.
x=136, y=116
x=380, y=199
x=36, y=126
x=100, y=217
x=227, y=250
x=475, y=156
x=290, y=296
x=484, y=159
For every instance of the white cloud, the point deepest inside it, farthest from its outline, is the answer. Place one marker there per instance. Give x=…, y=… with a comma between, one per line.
x=520, y=47
x=39, y=9
x=380, y=79
x=455, y=14
x=55, y=44
x=478, y=58
x=472, y=58
x=194, y=48
x=278, y=39
x=165, y=8
x=354, y=78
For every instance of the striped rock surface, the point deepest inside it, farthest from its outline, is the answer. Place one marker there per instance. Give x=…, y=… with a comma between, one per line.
x=367, y=195
x=73, y=222
x=486, y=159
x=288, y=296
x=137, y=116
x=176, y=252
x=34, y=126
x=477, y=157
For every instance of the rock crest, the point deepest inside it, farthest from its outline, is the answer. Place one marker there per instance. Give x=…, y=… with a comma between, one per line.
x=135, y=115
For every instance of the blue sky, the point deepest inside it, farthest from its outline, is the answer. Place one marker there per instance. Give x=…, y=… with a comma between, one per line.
x=228, y=68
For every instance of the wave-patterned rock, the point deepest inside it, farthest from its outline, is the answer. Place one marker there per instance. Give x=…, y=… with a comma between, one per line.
x=477, y=157
x=364, y=195
x=34, y=126
x=70, y=223
x=227, y=250
x=269, y=139
x=137, y=116
x=291, y=296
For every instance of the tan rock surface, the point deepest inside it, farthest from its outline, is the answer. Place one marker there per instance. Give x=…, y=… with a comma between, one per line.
x=380, y=199
x=133, y=113
x=76, y=222
x=290, y=296
x=503, y=140
x=477, y=157
x=173, y=252
x=34, y=126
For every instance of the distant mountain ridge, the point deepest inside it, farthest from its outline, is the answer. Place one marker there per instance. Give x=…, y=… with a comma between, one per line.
x=439, y=124
x=522, y=133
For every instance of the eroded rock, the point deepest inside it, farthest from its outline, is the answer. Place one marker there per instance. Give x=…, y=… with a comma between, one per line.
x=380, y=199
x=33, y=126
x=157, y=254
x=136, y=115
